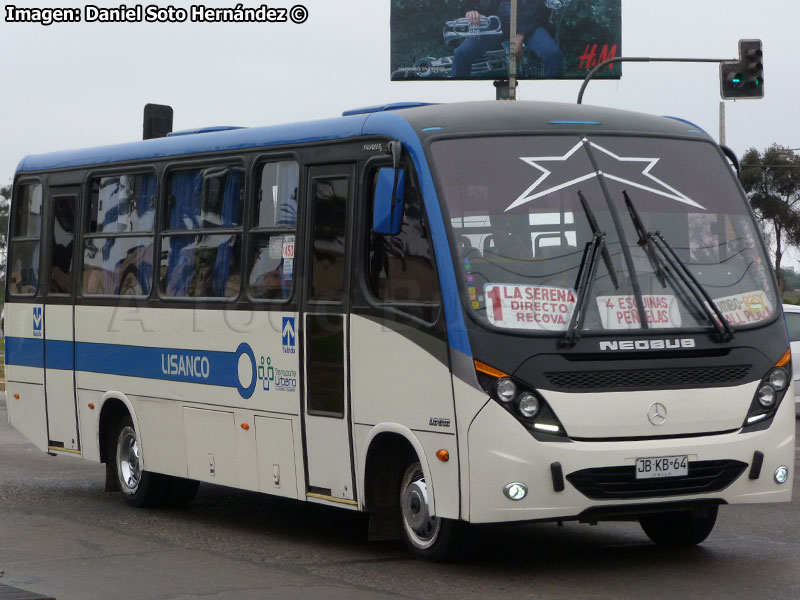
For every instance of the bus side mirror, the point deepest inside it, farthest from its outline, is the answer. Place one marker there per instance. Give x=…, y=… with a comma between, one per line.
x=387, y=211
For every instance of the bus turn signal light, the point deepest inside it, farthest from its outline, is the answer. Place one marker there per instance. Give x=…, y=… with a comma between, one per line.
x=487, y=370
x=443, y=455
x=785, y=359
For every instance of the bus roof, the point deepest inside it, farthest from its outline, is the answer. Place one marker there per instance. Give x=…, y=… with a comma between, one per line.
x=468, y=118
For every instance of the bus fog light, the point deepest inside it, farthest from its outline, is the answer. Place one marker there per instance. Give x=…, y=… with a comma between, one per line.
x=528, y=405
x=766, y=396
x=779, y=379
x=506, y=390
x=781, y=475
x=515, y=491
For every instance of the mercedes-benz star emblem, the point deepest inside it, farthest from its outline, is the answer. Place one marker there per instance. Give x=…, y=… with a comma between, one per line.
x=657, y=414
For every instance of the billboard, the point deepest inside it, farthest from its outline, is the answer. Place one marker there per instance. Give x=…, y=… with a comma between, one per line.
x=469, y=39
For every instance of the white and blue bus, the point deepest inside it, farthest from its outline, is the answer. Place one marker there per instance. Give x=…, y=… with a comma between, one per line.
x=438, y=314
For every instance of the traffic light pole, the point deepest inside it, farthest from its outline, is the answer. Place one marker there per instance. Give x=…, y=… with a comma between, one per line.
x=641, y=59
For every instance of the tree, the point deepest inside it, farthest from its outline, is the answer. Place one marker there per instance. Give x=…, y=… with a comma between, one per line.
x=772, y=182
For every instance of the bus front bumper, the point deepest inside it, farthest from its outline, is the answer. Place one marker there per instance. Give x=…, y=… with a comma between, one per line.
x=600, y=475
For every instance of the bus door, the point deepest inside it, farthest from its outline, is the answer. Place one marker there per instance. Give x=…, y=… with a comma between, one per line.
x=324, y=317
x=59, y=331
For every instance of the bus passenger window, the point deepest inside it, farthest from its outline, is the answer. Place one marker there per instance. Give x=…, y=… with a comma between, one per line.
x=23, y=272
x=400, y=267
x=330, y=218
x=201, y=251
x=272, y=259
x=63, y=238
x=277, y=196
x=118, y=244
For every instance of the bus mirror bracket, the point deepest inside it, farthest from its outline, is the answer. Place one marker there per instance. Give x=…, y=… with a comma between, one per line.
x=387, y=212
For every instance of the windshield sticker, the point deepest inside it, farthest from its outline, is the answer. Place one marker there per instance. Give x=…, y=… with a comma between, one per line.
x=743, y=309
x=619, y=170
x=529, y=306
x=620, y=312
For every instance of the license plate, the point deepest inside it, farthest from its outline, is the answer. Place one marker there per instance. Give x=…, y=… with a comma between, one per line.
x=662, y=466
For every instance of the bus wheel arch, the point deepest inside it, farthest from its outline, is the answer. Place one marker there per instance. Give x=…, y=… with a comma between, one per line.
x=114, y=408
x=398, y=493
x=395, y=445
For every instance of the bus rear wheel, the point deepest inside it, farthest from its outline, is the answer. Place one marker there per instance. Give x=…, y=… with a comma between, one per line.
x=680, y=529
x=426, y=536
x=138, y=487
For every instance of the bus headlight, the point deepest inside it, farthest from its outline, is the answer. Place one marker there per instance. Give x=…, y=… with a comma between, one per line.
x=769, y=395
x=524, y=403
x=506, y=390
x=766, y=395
x=779, y=379
x=528, y=405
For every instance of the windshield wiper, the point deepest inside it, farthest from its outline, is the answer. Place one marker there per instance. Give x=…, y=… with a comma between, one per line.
x=704, y=300
x=593, y=252
x=645, y=242
x=626, y=252
x=596, y=231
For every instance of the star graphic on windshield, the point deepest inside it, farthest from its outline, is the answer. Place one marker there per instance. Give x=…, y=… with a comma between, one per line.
x=576, y=168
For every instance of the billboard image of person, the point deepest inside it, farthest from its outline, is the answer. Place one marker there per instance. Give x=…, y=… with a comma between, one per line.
x=469, y=39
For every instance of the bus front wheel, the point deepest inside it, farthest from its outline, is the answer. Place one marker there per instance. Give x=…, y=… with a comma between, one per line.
x=428, y=537
x=138, y=487
x=683, y=528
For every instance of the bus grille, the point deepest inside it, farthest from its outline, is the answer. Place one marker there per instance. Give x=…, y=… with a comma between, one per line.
x=619, y=483
x=650, y=378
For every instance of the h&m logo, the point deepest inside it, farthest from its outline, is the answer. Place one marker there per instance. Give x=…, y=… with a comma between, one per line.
x=37, y=321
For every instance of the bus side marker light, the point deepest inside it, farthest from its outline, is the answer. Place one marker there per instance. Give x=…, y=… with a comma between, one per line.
x=16, y=396
x=245, y=426
x=781, y=475
x=515, y=491
x=443, y=455
x=91, y=406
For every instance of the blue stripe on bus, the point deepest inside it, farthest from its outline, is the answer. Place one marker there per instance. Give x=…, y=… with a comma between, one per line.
x=167, y=364
x=215, y=368
x=397, y=127
x=60, y=355
x=24, y=352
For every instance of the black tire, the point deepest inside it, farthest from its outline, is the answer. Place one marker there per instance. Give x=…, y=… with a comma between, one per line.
x=431, y=538
x=139, y=488
x=680, y=529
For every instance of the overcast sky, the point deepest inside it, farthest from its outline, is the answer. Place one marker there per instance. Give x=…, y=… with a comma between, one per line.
x=78, y=85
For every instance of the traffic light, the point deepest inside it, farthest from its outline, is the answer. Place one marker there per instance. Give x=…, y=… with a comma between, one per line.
x=744, y=78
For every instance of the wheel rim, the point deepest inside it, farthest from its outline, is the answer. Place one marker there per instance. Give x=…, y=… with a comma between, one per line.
x=422, y=529
x=129, y=466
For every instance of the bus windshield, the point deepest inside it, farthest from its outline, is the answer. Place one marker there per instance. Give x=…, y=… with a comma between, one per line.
x=669, y=227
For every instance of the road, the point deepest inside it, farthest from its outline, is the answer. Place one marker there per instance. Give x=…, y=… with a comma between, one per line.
x=61, y=535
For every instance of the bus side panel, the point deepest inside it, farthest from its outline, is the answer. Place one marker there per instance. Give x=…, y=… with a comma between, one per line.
x=141, y=354
x=395, y=380
x=24, y=357
x=27, y=412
